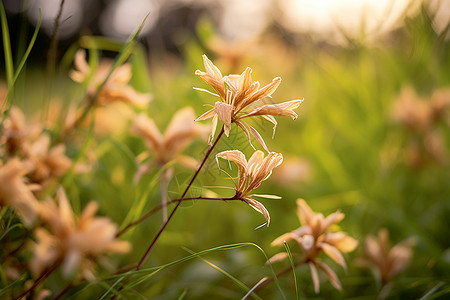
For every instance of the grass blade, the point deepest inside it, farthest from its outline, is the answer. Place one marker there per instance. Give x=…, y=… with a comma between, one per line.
x=288, y=250
x=239, y=283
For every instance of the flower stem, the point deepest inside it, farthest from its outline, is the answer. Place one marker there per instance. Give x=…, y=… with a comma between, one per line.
x=160, y=206
x=40, y=279
x=164, y=225
x=269, y=280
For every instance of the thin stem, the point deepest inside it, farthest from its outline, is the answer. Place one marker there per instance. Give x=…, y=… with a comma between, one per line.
x=269, y=280
x=164, y=225
x=52, y=52
x=159, y=207
x=163, y=191
x=155, y=239
x=40, y=279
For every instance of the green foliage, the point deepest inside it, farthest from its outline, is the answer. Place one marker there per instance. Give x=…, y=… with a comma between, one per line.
x=345, y=131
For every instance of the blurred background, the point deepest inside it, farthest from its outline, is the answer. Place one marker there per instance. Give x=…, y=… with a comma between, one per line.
x=372, y=138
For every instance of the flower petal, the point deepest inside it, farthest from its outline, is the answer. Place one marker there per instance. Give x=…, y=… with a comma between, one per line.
x=331, y=275
x=333, y=253
x=207, y=115
x=239, y=159
x=245, y=130
x=315, y=277
x=278, y=257
x=281, y=239
x=224, y=112
x=258, y=137
x=259, y=94
x=304, y=212
x=282, y=109
x=258, y=207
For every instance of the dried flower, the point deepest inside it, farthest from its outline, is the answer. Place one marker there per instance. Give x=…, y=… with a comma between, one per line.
x=388, y=261
x=251, y=174
x=16, y=134
x=314, y=237
x=76, y=242
x=49, y=163
x=236, y=93
x=178, y=135
x=117, y=87
x=15, y=193
x=421, y=117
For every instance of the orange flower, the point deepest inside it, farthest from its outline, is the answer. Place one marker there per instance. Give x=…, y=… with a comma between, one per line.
x=115, y=89
x=251, y=174
x=388, y=261
x=314, y=237
x=76, y=242
x=236, y=93
x=15, y=193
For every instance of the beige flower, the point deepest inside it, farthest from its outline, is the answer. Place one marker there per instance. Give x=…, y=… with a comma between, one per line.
x=314, y=237
x=236, y=93
x=388, y=261
x=15, y=193
x=49, y=163
x=167, y=147
x=421, y=118
x=178, y=135
x=76, y=242
x=251, y=174
x=16, y=134
x=117, y=87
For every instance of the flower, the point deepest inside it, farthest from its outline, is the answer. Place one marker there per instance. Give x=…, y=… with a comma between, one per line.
x=251, y=174
x=421, y=118
x=115, y=89
x=15, y=193
x=314, y=237
x=49, y=163
x=178, y=135
x=16, y=134
x=388, y=261
x=76, y=242
x=236, y=93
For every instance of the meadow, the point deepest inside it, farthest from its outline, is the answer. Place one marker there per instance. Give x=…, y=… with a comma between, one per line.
x=112, y=185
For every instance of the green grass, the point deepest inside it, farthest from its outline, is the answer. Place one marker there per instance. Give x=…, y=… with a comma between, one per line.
x=345, y=131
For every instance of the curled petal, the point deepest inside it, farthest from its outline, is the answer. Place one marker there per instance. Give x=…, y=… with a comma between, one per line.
x=207, y=115
x=283, y=109
x=224, y=112
x=258, y=137
x=213, y=76
x=245, y=130
x=259, y=94
x=238, y=158
x=255, y=162
x=258, y=207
